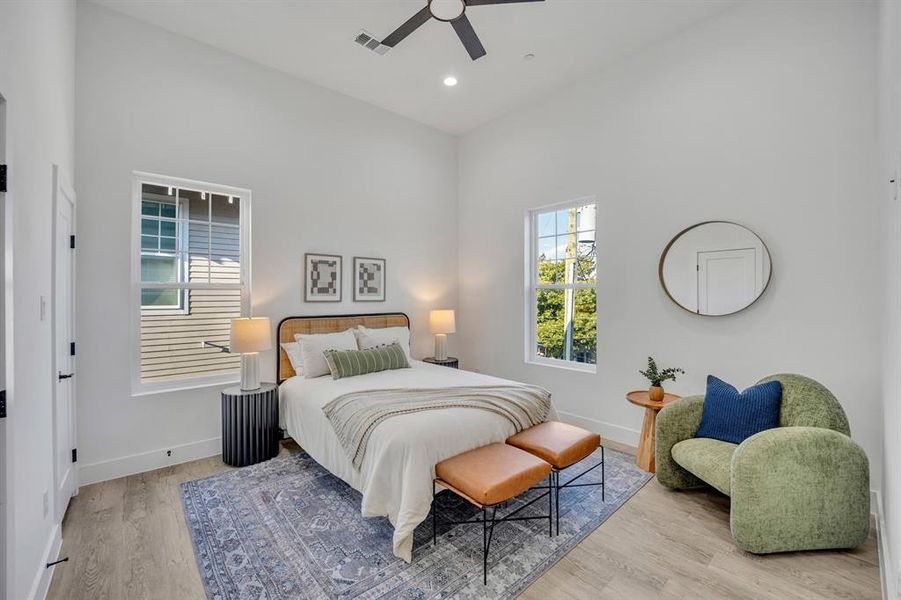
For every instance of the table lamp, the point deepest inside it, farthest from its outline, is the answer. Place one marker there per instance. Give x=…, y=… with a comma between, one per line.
x=442, y=322
x=248, y=337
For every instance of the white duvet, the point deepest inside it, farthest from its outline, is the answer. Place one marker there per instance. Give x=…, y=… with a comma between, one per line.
x=397, y=471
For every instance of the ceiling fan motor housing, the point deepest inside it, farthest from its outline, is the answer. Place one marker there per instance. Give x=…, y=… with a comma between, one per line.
x=447, y=10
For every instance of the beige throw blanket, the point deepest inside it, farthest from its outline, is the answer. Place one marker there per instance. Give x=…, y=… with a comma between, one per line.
x=355, y=415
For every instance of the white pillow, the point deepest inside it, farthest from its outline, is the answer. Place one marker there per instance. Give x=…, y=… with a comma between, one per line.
x=314, y=345
x=292, y=349
x=371, y=338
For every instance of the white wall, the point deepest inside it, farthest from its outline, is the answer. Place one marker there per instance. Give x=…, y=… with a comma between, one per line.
x=37, y=44
x=328, y=174
x=890, y=205
x=761, y=115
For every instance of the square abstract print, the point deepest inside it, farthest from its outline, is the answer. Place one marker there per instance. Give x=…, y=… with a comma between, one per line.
x=370, y=280
x=323, y=277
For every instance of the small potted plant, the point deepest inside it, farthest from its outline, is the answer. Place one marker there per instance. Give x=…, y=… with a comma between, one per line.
x=657, y=377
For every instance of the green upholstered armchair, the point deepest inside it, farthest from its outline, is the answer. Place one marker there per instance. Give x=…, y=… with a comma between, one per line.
x=804, y=485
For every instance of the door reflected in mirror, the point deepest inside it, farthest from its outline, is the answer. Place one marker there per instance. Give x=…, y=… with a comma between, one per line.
x=715, y=268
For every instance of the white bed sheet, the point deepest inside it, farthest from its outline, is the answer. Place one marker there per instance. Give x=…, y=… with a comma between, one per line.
x=397, y=471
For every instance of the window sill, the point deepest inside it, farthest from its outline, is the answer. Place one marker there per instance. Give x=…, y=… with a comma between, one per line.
x=562, y=364
x=163, y=312
x=181, y=386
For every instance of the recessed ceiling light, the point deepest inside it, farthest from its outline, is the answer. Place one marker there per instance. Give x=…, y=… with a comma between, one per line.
x=450, y=81
x=528, y=56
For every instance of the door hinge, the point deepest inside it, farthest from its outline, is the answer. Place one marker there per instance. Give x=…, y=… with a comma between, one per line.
x=2, y=178
x=71, y=348
x=74, y=455
x=72, y=242
x=2, y=404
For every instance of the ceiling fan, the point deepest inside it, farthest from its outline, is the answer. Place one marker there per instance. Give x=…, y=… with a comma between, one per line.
x=448, y=11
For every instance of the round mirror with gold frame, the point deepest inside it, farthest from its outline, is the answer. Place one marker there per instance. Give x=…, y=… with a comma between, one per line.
x=715, y=268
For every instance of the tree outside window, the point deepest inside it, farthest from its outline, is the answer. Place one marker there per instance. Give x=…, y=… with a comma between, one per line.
x=565, y=276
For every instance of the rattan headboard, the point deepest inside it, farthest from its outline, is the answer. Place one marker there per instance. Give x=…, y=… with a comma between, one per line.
x=328, y=324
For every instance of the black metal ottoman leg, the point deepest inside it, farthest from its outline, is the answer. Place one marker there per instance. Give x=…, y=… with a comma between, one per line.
x=434, y=517
x=557, y=494
x=603, y=480
x=550, y=505
x=484, y=546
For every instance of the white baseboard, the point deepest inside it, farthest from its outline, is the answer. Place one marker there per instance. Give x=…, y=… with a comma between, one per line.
x=886, y=573
x=147, y=461
x=616, y=433
x=41, y=583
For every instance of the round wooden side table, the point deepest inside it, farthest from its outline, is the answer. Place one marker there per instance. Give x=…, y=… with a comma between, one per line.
x=645, y=457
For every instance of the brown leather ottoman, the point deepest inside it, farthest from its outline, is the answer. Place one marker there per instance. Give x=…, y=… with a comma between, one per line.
x=562, y=445
x=489, y=476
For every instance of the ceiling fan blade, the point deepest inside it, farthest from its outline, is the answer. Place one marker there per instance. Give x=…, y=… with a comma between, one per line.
x=411, y=25
x=469, y=38
x=484, y=2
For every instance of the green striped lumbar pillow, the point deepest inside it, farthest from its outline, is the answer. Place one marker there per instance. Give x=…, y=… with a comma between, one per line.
x=348, y=363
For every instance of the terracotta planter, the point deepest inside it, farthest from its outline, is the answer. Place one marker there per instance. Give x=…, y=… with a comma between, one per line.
x=656, y=393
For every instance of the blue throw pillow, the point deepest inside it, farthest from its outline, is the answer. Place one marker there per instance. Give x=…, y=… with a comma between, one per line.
x=733, y=417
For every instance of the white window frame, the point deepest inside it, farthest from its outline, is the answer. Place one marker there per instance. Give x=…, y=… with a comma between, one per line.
x=531, y=286
x=139, y=178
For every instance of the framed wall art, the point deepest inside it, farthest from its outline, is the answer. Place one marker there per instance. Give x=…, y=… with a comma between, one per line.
x=322, y=278
x=369, y=279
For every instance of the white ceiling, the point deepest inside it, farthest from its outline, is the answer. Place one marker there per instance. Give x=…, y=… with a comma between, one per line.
x=313, y=40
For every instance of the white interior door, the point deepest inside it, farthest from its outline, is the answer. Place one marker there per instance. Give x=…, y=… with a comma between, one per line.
x=65, y=476
x=727, y=280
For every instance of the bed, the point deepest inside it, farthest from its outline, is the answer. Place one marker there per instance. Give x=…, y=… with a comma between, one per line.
x=396, y=475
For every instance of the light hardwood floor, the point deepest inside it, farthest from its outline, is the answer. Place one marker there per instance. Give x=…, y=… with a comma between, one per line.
x=127, y=540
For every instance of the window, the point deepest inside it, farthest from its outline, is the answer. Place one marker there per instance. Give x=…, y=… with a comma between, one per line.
x=562, y=282
x=160, y=249
x=191, y=266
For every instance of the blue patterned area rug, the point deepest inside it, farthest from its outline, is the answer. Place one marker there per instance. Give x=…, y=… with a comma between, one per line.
x=287, y=528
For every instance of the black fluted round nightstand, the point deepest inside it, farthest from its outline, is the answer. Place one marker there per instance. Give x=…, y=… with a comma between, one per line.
x=450, y=361
x=250, y=431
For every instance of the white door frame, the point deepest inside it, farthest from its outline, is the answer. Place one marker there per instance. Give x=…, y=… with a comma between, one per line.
x=62, y=192
x=6, y=357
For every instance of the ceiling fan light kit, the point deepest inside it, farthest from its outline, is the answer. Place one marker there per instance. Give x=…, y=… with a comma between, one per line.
x=448, y=11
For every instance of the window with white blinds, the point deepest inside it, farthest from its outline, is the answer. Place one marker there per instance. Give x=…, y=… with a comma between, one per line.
x=191, y=264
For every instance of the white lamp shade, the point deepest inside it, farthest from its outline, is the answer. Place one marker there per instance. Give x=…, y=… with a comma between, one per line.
x=442, y=321
x=250, y=335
